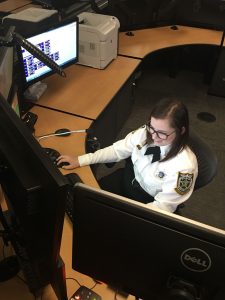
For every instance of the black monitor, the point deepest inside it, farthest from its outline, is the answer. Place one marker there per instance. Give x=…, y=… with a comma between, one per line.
x=148, y=253
x=204, y=13
x=58, y=4
x=59, y=43
x=35, y=192
x=6, y=69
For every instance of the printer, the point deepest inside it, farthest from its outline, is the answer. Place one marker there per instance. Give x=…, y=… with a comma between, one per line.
x=29, y=20
x=98, y=39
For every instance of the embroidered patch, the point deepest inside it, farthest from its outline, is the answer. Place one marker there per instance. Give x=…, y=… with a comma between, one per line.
x=184, y=183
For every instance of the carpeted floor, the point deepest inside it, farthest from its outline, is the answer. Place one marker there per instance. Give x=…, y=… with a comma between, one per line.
x=207, y=204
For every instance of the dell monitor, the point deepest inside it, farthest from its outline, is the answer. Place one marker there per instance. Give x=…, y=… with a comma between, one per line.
x=146, y=252
x=59, y=43
x=35, y=193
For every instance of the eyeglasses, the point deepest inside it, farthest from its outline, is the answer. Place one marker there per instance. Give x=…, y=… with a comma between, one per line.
x=160, y=135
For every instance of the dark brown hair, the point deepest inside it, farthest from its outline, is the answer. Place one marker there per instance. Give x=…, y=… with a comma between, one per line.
x=177, y=114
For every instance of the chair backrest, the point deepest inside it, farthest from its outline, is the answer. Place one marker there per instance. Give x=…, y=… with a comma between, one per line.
x=207, y=160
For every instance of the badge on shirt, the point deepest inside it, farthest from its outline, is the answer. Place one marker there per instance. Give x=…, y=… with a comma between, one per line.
x=184, y=183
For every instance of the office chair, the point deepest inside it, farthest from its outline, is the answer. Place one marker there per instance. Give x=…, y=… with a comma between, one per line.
x=207, y=163
x=207, y=160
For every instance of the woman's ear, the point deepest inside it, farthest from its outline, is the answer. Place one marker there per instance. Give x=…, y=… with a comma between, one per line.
x=183, y=129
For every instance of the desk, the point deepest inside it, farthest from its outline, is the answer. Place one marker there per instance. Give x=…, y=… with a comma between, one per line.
x=87, y=91
x=10, y=5
x=49, y=121
x=146, y=41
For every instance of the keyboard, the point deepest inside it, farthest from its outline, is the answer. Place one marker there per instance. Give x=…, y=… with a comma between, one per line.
x=72, y=179
x=52, y=154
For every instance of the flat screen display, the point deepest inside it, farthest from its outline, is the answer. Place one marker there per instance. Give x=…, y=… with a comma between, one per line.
x=146, y=252
x=59, y=43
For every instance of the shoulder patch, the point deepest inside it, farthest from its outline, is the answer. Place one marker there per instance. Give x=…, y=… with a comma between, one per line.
x=184, y=183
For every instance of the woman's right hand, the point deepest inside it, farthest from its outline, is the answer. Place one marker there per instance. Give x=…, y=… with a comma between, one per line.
x=72, y=162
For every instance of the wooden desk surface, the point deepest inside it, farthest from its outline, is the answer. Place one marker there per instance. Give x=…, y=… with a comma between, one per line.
x=9, y=5
x=49, y=121
x=87, y=91
x=146, y=41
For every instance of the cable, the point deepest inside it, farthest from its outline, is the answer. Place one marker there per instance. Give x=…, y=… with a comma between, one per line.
x=94, y=285
x=73, y=280
x=96, y=282
x=59, y=134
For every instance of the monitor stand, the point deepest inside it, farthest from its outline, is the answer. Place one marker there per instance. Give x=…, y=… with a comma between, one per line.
x=35, y=91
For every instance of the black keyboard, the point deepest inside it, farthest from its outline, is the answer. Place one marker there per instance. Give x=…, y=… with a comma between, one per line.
x=72, y=179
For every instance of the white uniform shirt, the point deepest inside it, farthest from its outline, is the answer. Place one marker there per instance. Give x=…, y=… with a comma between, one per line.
x=170, y=182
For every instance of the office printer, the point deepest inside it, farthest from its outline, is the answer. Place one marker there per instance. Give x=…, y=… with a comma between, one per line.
x=98, y=39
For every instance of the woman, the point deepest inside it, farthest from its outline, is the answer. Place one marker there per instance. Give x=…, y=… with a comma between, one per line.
x=163, y=169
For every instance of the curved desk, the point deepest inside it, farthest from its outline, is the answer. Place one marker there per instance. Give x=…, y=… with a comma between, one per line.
x=87, y=91
x=91, y=93
x=145, y=41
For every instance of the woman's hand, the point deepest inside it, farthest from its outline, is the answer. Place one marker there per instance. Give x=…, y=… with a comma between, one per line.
x=72, y=162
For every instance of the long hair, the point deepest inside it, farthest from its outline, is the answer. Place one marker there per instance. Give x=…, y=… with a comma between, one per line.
x=177, y=114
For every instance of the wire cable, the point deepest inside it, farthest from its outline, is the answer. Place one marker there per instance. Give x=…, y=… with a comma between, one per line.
x=59, y=134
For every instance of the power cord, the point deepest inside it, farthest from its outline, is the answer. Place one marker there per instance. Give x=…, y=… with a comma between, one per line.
x=96, y=282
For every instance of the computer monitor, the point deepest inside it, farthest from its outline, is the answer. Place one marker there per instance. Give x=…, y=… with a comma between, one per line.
x=59, y=43
x=6, y=69
x=148, y=253
x=35, y=192
x=58, y=4
x=204, y=13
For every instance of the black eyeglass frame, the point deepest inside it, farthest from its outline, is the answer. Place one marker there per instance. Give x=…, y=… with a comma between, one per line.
x=149, y=128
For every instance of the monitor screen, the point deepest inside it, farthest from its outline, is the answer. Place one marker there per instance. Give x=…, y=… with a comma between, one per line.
x=148, y=253
x=6, y=70
x=35, y=192
x=59, y=43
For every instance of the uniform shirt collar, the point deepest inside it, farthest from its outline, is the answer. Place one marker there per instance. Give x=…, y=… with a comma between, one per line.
x=164, y=150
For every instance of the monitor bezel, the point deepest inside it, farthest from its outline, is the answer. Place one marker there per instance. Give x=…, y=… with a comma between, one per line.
x=25, y=162
x=97, y=214
x=23, y=81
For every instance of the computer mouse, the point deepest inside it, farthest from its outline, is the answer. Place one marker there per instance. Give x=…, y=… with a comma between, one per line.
x=63, y=132
x=63, y=163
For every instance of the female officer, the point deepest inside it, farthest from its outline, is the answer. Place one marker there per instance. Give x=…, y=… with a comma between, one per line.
x=162, y=169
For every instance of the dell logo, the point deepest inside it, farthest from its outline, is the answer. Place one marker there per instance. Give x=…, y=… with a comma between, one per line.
x=196, y=260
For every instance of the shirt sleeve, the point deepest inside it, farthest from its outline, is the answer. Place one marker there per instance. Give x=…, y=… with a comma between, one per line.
x=174, y=192
x=121, y=149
